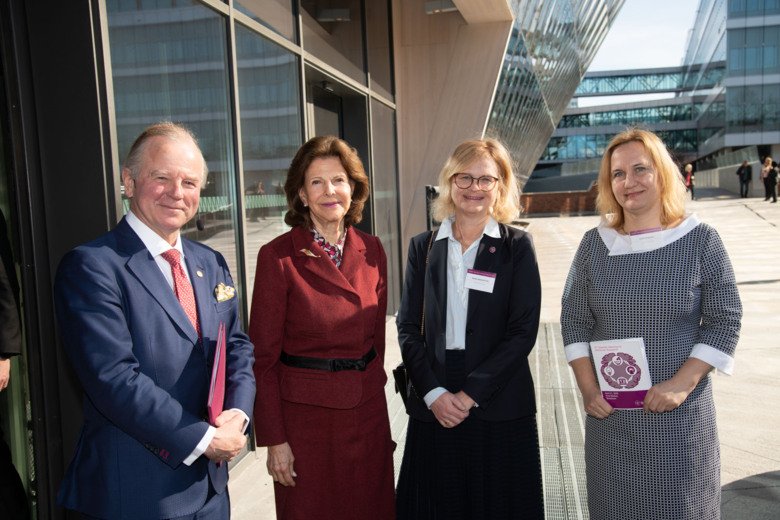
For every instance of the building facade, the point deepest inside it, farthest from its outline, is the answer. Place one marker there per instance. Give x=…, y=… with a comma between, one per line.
x=724, y=110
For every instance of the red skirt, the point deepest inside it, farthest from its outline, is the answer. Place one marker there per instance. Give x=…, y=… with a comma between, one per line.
x=344, y=462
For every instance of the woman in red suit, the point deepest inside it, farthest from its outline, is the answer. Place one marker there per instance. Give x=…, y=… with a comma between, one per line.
x=318, y=325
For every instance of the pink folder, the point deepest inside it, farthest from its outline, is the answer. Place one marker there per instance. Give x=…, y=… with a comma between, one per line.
x=217, y=387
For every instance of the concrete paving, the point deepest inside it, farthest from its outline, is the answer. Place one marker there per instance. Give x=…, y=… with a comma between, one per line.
x=747, y=402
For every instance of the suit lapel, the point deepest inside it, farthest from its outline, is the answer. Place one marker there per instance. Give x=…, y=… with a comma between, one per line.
x=489, y=256
x=145, y=269
x=316, y=261
x=436, y=287
x=353, y=257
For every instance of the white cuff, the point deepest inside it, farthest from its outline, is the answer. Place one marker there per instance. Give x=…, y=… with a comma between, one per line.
x=717, y=358
x=434, y=394
x=577, y=350
x=200, y=449
x=246, y=418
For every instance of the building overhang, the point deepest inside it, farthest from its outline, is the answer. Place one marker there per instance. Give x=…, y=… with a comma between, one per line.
x=484, y=11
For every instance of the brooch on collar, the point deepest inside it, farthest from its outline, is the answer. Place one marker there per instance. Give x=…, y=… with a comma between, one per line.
x=224, y=292
x=309, y=253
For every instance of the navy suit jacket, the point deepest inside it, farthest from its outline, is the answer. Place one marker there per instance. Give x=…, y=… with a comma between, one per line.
x=501, y=326
x=145, y=376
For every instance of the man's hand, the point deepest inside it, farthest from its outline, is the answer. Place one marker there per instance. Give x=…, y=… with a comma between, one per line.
x=228, y=441
x=5, y=373
x=467, y=401
x=227, y=415
x=449, y=410
x=280, y=464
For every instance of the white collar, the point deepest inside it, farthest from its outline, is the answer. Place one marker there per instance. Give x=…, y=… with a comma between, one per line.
x=618, y=244
x=492, y=229
x=153, y=242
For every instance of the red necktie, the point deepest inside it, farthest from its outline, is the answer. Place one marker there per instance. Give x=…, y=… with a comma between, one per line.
x=182, y=287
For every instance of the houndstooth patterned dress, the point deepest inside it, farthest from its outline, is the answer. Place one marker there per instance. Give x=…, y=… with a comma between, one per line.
x=682, y=299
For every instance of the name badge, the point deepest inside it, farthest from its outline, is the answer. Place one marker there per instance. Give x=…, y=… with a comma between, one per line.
x=646, y=240
x=480, y=280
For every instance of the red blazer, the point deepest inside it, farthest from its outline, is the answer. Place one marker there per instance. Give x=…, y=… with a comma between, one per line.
x=306, y=306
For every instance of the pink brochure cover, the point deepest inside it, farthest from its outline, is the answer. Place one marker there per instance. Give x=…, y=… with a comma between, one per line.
x=622, y=371
x=216, y=399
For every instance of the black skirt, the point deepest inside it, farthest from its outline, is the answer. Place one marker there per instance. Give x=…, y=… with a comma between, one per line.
x=478, y=470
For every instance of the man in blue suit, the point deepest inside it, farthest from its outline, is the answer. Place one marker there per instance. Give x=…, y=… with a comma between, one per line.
x=138, y=310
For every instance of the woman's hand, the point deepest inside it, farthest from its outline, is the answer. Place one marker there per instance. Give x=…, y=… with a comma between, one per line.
x=595, y=404
x=280, y=464
x=449, y=410
x=668, y=395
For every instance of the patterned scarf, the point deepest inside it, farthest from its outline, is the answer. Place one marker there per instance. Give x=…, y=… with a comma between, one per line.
x=334, y=251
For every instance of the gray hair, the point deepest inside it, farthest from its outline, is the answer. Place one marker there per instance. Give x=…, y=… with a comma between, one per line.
x=173, y=131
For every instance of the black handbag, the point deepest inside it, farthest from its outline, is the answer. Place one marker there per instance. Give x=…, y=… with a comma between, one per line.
x=403, y=385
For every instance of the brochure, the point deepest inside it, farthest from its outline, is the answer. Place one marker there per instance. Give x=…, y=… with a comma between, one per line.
x=622, y=370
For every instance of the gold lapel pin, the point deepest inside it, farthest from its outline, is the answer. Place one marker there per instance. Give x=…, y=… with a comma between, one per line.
x=309, y=253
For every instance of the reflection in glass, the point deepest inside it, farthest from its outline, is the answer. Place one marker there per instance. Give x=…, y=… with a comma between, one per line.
x=269, y=97
x=277, y=15
x=332, y=31
x=385, y=197
x=378, y=42
x=172, y=64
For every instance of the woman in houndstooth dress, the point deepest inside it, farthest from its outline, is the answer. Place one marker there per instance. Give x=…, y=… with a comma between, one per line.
x=650, y=271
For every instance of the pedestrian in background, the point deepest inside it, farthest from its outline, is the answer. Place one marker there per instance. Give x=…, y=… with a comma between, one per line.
x=689, y=178
x=674, y=287
x=468, y=320
x=770, y=191
x=745, y=176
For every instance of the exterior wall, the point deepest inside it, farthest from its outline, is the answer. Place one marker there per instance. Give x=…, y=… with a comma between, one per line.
x=560, y=202
x=446, y=74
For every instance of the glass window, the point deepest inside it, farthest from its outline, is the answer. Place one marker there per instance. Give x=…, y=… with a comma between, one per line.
x=172, y=65
x=752, y=108
x=385, y=195
x=379, y=55
x=277, y=15
x=736, y=46
x=771, y=108
x=333, y=32
x=734, y=106
x=771, y=7
x=270, y=111
x=736, y=8
x=771, y=49
x=754, y=50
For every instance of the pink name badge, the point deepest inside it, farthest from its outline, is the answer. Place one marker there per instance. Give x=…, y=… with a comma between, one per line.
x=480, y=280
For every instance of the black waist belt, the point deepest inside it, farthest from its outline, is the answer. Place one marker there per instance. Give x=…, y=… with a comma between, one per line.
x=329, y=365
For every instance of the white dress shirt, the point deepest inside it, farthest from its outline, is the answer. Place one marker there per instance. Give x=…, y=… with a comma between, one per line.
x=458, y=264
x=157, y=245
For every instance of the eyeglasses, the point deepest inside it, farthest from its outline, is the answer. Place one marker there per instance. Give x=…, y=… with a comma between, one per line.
x=484, y=183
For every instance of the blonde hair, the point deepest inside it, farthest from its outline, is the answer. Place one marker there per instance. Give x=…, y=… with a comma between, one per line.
x=507, y=205
x=671, y=186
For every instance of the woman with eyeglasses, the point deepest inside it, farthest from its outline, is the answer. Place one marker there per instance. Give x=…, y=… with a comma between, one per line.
x=468, y=320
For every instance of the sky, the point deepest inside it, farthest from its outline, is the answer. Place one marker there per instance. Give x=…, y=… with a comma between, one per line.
x=645, y=33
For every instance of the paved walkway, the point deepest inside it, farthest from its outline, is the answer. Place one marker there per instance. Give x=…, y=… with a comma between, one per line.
x=748, y=416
